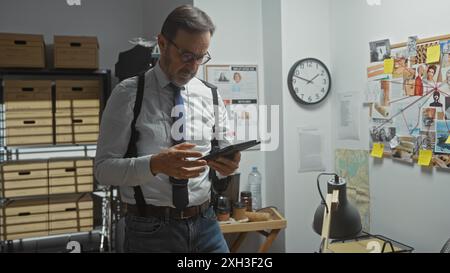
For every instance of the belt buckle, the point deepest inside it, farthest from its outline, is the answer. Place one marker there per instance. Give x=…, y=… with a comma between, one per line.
x=182, y=217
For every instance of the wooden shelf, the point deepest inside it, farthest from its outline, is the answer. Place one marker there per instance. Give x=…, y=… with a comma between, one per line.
x=277, y=222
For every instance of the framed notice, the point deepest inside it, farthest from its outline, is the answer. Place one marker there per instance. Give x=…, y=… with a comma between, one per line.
x=238, y=87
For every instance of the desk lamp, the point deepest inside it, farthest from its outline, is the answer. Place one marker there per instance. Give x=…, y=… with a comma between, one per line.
x=341, y=218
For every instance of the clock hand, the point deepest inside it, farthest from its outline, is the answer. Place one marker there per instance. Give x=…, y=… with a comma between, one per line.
x=311, y=81
x=302, y=79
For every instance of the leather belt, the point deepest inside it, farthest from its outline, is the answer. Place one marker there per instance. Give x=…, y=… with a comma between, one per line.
x=159, y=211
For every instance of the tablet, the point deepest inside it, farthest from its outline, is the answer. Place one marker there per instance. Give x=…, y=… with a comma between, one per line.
x=229, y=151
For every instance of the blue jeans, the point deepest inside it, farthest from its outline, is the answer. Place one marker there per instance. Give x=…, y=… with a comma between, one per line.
x=162, y=234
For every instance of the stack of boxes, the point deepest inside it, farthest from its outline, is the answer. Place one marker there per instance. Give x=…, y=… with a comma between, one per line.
x=50, y=196
x=77, y=111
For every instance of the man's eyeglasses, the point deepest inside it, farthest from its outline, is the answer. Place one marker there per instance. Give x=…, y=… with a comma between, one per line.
x=188, y=57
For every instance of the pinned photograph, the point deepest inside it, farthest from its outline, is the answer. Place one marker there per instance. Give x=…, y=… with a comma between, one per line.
x=432, y=79
x=383, y=134
x=412, y=46
x=445, y=46
x=428, y=118
x=445, y=85
x=442, y=133
x=222, y=77
x=435, y=100
x=432, y=73
x=419, y=77
x=385, y=95
x=406, y=149
x=401, y=69
x=372, y=92
x=380, y=50
x=427, y=140
x=380, y=112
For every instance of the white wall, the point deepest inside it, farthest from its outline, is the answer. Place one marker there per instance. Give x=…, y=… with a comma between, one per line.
x=305, y=33
x=114, y=22
x=275, y=34
x=408, y=203
x=238, y=40
x=272, y=52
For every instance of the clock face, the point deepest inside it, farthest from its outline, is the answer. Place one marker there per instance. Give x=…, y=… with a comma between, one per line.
x=309, y=81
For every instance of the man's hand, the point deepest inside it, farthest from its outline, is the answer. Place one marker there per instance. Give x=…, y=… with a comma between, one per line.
x=172, y=162
x=224, y=165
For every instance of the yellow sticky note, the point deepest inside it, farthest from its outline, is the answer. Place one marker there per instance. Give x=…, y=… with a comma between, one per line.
x=448, y=140
x=388, y=66
x=377, y=150
x=433, y=54
x=425, y=157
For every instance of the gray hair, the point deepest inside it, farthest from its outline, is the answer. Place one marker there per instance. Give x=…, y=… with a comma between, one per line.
x=188, y=18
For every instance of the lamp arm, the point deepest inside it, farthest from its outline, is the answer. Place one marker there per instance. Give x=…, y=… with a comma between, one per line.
x=320, y=192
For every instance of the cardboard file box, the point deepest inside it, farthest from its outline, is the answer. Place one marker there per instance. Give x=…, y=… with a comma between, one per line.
x=21, y=51
x=73, y=213
x=28, y=112
x=22, y=179
x=57, y=176
x=76, y=52
x=77, y=111
x=20, y=219
x=71, y=176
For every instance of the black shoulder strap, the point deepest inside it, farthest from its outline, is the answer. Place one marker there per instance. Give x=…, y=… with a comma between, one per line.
x=132, y=148
x=214, y=141
x=215, y=181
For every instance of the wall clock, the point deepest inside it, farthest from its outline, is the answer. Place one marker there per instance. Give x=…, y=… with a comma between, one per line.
x=309, y=81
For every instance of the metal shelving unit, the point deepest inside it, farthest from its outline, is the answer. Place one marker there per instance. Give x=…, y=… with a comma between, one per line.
x=14, y=153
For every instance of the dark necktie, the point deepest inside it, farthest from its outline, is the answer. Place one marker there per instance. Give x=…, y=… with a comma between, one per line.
x=180, y=194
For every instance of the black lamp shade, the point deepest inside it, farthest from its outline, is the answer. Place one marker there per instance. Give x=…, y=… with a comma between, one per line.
x=345, y=221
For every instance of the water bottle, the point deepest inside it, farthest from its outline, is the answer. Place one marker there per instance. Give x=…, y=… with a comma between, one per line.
x=254, y=186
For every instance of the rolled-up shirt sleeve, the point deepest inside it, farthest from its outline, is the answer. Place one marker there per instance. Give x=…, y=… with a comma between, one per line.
x=110, y=167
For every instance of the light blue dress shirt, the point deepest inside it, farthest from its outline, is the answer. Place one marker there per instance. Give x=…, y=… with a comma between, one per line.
x=154, y=125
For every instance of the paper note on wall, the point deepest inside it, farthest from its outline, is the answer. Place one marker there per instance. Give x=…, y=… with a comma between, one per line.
x=377, y=150
x=433, y=54
x=388, y=66
x=425, y=157
x=311, y=151
x=349, y=113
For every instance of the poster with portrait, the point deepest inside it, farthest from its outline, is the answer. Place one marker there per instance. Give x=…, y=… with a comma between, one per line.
x=238, y=87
